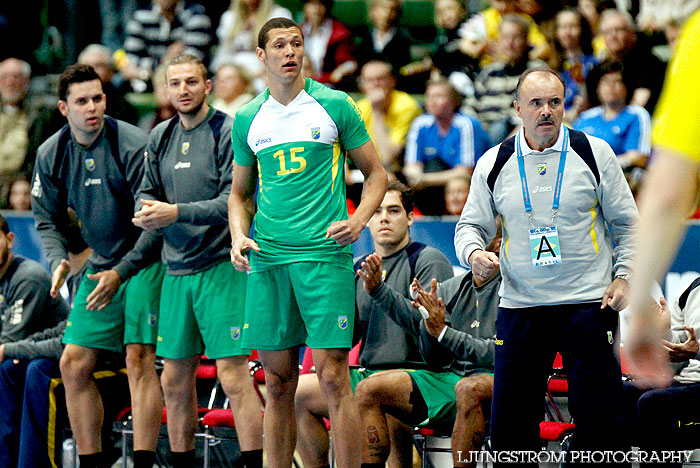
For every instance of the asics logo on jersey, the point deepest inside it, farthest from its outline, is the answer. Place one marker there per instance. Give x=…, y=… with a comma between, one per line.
x=182, y=165
x=89, y=182
x=262, y=141
x=541, y=188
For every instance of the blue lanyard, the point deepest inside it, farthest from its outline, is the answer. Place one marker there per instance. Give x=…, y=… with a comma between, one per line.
x=560, y=177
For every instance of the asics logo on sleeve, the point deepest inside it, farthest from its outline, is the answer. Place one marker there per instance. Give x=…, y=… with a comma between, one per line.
x=36, y=188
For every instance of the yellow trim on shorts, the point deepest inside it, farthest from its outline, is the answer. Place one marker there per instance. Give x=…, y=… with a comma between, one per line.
x=51, y=439
x=51, y=430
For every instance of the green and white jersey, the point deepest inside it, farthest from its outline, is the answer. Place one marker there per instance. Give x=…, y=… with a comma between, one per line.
x=300, y=153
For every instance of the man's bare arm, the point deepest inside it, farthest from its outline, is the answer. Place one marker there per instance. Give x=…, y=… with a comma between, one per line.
x=241, y=208
x=366, y=159
x=668, y=196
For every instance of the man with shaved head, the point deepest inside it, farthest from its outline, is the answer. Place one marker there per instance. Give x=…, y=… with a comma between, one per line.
x=568, y=219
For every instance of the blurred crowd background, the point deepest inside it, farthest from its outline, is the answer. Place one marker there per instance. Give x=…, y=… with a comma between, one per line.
x=435, y=80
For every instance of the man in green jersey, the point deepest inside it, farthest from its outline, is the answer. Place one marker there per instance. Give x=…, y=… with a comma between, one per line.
x=300, y=288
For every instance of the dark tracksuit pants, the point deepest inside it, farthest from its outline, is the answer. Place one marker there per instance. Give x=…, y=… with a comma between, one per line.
x=27, y=439
x=663, y=419
x=527, y=342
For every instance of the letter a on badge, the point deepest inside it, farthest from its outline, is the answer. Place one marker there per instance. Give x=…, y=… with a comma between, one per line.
x=545, y=247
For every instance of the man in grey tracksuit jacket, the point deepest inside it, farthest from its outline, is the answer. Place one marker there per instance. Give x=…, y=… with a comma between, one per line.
x=568, y=218
x=93, y=166
x=184, y=196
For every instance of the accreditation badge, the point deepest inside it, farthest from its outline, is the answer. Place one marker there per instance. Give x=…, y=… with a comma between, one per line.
x=544, y=246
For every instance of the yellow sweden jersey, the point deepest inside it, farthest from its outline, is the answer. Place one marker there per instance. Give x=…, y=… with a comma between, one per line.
x=300, y=153
x=677, y=120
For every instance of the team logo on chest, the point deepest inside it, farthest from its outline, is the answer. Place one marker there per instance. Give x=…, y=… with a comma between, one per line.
x=90, y=164
x=316, y=133
x=185, y=147
x=542, y=168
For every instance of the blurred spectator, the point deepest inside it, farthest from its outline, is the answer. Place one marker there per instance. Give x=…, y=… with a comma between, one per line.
x=591, y=10
x=19, y=199
x=543, y=13
x=452, y=54
x=672, y=31
x=655, y=15
x=494, y=88
x=489, y=21
x=21, y=123
x=164, y=110
x=329, y=44
x=643, y=72
x=238, y=32
x=456, y=193
x=231, y=88
x=573, y=48
x=384, y=39
x=158, y=34
x=115, y=14
x=442, y=145
x=387, y=112
x=626, y=128
x=115, y=88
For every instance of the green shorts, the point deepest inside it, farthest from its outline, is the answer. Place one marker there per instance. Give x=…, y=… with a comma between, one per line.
x=438, y=392
x=131, y=316
x=436, y=388
x=202, y=313
x=297, y=303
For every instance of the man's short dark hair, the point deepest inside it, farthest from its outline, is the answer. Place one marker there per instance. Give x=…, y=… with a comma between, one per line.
x=405, y=193
x=274, y=23
x=4, y=227
x=77, y=73
x=530, y=71
x=596, y=74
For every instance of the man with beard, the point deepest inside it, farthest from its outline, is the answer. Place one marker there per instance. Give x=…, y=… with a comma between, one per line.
x=25, y=303
x=94, y=166
x=27, y=310
x=184, y=196
x=567, y=244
